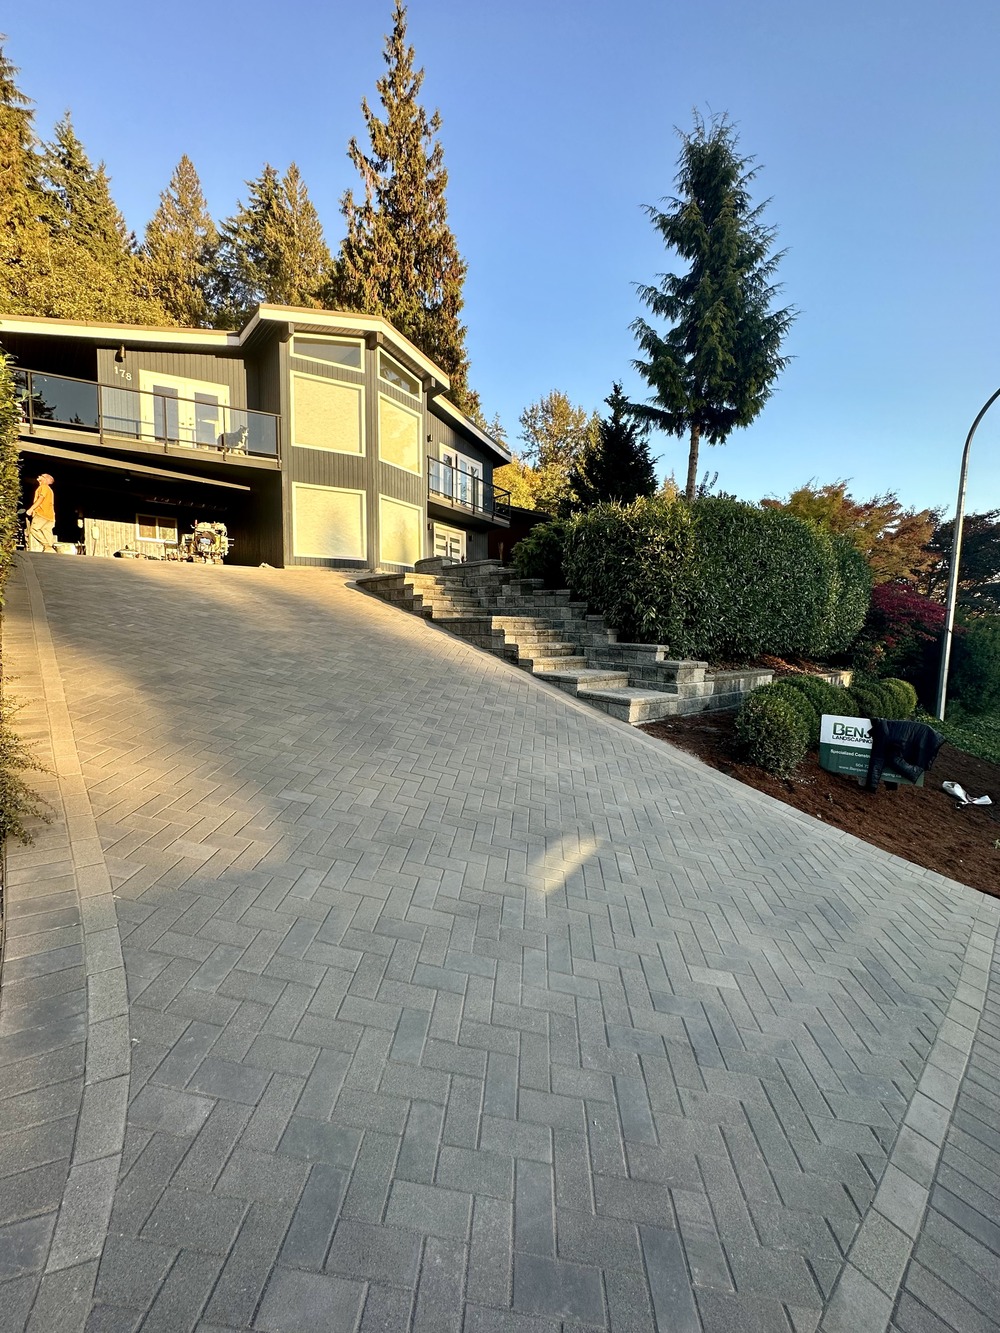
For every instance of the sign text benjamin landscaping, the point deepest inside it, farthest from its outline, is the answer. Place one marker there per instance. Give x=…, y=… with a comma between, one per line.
x=845, y=746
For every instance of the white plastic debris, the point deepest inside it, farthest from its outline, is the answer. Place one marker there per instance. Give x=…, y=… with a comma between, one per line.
x=962, y=796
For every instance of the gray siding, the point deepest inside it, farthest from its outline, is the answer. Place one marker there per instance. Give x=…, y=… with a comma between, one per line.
x=205, y=366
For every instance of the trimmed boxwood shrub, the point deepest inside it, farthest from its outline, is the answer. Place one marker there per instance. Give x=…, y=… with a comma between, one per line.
x=905, y=695
x=823, y=696
x=539, y=555
x=769, y=731
x=632, y=563
x=803, y=705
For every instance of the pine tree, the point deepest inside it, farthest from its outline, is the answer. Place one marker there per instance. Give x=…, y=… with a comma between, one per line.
x=179, y=246
x=23, y=239
x=272, y=249
x=17, y=156
x=399, y=258
x=616, y=465
x=77, y=200
x=715, y=367
x=88, y=268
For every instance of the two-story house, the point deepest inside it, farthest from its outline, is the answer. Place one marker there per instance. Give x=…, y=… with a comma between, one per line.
x=317, y=437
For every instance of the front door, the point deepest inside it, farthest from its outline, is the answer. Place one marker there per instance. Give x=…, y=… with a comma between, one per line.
x=449, y=542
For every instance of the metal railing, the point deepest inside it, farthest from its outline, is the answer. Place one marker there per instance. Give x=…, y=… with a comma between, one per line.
x=466, y=490
x=201, y=422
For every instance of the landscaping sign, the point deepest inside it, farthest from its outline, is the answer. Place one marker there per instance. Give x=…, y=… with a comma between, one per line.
x=845, y=746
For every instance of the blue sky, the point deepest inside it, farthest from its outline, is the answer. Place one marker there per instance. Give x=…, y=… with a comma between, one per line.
x=875, y=124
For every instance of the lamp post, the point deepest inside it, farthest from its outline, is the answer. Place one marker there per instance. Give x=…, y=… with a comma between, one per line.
x=956, y=555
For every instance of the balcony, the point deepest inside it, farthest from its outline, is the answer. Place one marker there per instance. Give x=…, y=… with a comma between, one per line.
x=201, y=422
x=461, y=492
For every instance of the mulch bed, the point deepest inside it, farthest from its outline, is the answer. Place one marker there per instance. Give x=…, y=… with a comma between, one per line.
x=920, y=824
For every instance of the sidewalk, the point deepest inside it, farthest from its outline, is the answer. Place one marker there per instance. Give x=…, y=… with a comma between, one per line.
x=453, y=1005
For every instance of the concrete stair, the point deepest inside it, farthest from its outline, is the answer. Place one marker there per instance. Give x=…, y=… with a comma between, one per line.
x=550, y=634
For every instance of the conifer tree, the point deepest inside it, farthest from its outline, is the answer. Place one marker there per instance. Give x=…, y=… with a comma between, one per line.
x=399, y=258
x=180, y=243
x=23, y=239
x=715, y=367
x=272, y=249
x=615, y=464
x=77, y=201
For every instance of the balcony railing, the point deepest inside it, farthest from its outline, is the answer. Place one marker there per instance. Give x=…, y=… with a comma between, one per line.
x=201, y=422
x=467, y=491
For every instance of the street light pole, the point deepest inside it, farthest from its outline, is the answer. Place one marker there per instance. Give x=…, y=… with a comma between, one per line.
x=956, y=555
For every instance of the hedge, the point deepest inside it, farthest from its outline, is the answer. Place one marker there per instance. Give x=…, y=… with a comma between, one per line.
x=632, y=564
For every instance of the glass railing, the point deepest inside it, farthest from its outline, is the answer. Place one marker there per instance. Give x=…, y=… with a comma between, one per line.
x=467, y=490
x=202, y=422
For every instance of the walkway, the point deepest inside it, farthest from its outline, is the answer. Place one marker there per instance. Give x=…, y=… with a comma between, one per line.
x=454, y=1007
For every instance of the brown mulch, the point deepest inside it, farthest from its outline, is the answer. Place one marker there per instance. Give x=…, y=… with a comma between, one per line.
x=920, y=824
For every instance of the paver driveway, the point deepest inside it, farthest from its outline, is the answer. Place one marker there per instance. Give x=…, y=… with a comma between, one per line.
x=452, y=1005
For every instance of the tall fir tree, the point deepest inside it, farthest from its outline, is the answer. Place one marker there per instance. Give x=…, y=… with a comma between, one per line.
x=89, y=269
x=715, y=367
x=615, y=464
x=23, y=238
x=271, y=250
x=399, y=258
x=179, y=248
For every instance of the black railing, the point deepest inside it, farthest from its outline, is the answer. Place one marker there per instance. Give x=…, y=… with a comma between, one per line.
x=201, y=422
x=467, y=491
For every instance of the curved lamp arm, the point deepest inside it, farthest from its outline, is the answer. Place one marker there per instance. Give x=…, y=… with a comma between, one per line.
x=956, y=555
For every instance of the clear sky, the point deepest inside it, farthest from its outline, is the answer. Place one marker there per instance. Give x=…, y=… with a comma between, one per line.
x=875, y=122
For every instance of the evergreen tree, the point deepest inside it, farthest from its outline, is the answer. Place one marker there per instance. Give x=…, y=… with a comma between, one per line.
x=88, y=268
x=77, y=203
x=179, y=247
x=23, y=239
x=399, y=258
x=715, y=367
x=616, y=465
x=18, y=202
x=272, y=249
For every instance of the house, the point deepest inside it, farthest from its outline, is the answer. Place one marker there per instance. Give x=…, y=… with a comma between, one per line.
x=317, y=437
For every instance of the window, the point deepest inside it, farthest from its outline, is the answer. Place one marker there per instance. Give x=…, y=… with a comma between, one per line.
x=393, y=373
x=334, y=351
x=328, y=523
x=150, y=528
x=399, y=431
x=182, y=411
x=327, y=415
x=401, y=531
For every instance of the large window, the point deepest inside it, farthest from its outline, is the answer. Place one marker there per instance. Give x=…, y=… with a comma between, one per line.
x=328, y=523
x=399, y=431
x=401, y=532
x=328, y=415
x=331, y=351
x=393, y=373
x=183, y=411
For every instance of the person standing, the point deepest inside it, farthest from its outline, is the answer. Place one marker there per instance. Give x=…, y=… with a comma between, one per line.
x=41, y=531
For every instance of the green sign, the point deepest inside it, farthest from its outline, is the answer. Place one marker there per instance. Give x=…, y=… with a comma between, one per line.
x=845, y=746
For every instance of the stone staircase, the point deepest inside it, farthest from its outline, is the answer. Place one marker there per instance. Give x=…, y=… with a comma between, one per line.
x=552, y=636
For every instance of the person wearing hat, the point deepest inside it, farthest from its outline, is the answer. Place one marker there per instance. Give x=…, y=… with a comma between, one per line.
x=41, y=530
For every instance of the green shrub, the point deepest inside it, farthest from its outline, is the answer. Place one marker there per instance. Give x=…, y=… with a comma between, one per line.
x=18, y=802
x=904, y=694
x=769, y=731
x=974, y=676
x=539, y=555
x=800, y=701
x=852, y=596
x=823, y=696
x=631, y=563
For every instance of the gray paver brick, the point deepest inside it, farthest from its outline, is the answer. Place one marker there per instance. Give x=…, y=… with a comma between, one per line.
x=358, y=1014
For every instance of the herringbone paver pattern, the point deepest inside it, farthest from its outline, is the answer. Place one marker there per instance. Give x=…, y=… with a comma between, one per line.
x=452, y=1005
